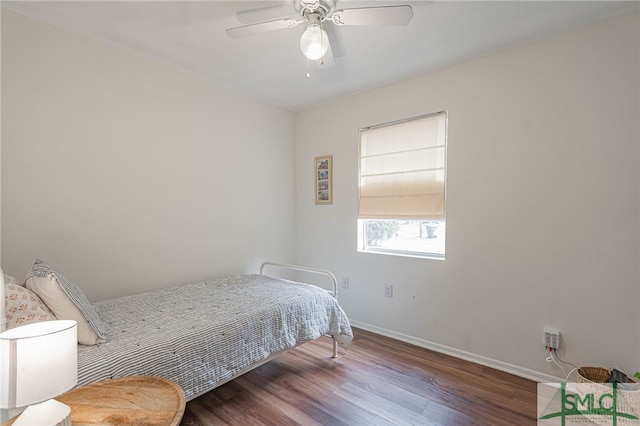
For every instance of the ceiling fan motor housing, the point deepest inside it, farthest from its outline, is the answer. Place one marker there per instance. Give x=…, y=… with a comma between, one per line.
x=323, y=7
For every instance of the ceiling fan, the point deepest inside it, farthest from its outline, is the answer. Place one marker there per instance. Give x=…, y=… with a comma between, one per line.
x=314, y=42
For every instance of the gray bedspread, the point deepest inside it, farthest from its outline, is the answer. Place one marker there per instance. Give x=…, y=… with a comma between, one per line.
x=201, y=335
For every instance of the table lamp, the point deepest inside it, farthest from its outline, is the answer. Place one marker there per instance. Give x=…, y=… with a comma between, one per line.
x=39, y=361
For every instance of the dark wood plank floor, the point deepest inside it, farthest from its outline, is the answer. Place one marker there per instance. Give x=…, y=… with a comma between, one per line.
x=377, y=381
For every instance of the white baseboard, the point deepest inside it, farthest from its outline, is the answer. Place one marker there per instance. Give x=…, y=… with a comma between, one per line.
x=467, y=356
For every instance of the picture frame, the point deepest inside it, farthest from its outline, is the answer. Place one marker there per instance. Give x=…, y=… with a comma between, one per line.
x=322, y=167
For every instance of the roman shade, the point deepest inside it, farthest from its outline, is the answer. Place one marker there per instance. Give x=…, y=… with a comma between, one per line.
x=402, y=169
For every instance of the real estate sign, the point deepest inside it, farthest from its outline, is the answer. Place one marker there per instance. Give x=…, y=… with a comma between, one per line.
x=588, y=404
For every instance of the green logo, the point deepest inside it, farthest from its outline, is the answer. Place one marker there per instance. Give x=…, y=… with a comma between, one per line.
x=594, y=402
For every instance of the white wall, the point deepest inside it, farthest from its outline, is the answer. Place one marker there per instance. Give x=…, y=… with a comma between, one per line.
x=127, y=174
x=542, y=208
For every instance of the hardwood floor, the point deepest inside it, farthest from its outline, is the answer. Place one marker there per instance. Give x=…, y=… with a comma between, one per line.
x=377, y=381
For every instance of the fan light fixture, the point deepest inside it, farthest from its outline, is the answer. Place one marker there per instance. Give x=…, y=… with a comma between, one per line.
x=314, y=42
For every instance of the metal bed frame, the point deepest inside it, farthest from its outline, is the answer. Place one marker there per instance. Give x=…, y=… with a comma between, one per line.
x=323, y=272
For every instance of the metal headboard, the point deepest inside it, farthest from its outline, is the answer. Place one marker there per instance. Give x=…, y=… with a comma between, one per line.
x=334, y=281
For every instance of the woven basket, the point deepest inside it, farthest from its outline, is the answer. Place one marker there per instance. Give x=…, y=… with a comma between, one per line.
x=592, y=375
x=595, y=375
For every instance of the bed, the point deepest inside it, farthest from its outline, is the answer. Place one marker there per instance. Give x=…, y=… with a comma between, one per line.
x=205, y=334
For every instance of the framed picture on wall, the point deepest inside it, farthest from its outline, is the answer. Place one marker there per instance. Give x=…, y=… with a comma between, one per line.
x=324, y=184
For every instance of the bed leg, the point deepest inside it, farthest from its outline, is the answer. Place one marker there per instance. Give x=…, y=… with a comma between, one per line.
x=335, y=347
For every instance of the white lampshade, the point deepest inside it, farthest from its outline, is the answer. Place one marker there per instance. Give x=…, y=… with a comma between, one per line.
x=39, y=361
x=314, y=42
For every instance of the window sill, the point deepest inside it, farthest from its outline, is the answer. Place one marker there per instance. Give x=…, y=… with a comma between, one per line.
x=418, y=255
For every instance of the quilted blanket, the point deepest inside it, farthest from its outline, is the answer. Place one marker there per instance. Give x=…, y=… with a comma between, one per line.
x=201, y=335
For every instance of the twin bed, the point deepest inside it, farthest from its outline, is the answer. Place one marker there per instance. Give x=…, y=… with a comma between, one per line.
x=205, y=334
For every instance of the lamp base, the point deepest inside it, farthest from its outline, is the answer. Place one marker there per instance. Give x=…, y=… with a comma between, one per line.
x=48, y=413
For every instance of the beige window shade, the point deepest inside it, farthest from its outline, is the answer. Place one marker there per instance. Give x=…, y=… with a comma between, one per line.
x=402, y=169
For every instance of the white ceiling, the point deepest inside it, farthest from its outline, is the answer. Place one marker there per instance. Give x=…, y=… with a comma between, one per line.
x=191, y=35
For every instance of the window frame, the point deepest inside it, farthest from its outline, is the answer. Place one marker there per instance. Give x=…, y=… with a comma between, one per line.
x=362, y=247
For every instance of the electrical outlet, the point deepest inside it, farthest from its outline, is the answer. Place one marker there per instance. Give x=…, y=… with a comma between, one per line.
x=551, y=338
x=345, y=283
x=388, y=290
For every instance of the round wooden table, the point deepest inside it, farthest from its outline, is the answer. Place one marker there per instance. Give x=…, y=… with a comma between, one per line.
x=135, y=400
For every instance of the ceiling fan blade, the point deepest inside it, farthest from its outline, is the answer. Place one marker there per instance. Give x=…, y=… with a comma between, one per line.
x=267, y=11
x=336, y=41
x=261, y=27
x=382, y=16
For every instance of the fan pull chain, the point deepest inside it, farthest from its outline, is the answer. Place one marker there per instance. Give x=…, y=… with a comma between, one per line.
x=321, y=42
x=308, y=73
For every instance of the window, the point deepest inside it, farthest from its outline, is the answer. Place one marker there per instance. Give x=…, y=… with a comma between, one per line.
x=401, y=206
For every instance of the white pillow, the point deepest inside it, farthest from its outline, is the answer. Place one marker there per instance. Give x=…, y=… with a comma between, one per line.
x=66, y=301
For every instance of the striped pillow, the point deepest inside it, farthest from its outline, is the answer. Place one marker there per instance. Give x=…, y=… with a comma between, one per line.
x=66, y=301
